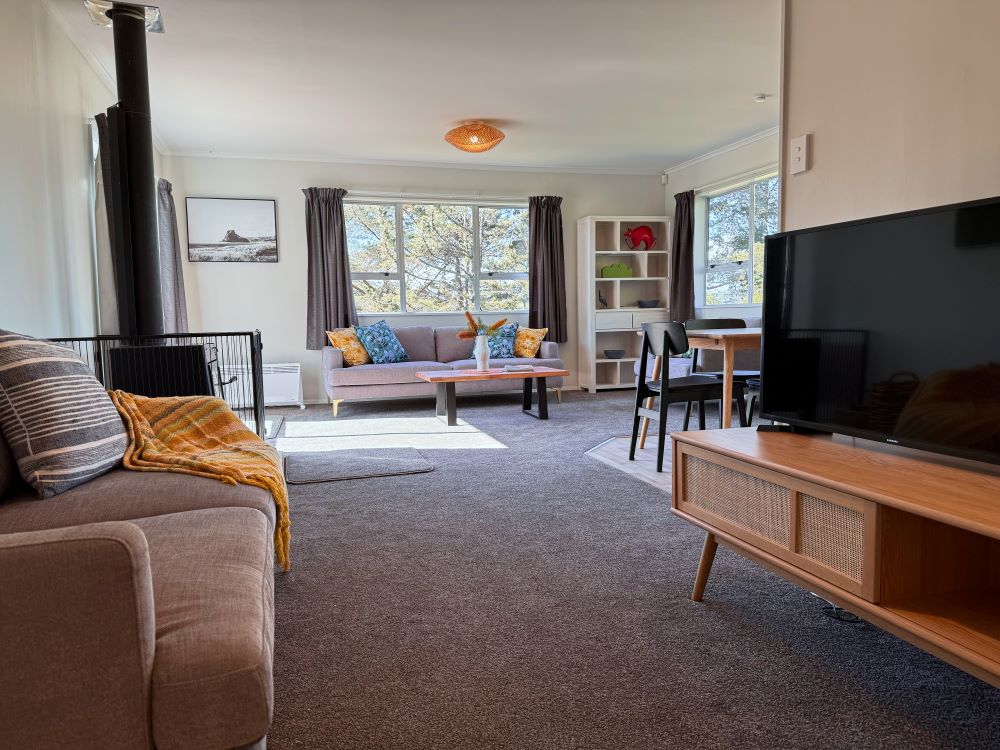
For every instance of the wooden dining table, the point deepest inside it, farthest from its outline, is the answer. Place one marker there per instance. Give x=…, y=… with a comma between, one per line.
x=728, y=341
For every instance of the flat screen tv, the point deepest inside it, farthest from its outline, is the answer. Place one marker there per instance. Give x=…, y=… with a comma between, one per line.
x=888, y=329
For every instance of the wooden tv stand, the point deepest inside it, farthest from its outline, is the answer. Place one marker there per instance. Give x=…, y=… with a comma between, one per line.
x=908, y=545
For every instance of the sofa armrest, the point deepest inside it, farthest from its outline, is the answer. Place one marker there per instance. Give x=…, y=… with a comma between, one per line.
x=77, y=637
x=548, y=350
x=333, y=359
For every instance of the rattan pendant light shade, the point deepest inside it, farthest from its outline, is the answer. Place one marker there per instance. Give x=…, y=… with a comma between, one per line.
x=474, y=136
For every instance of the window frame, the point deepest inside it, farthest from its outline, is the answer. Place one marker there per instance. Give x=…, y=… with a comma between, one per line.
x=399, y=274
x=746, y=266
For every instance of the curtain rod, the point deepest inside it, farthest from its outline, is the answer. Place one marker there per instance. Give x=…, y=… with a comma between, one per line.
x=720, y=185
x=434, y=197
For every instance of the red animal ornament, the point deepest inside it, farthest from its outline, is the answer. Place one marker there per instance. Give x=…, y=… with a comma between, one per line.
x=639, y=235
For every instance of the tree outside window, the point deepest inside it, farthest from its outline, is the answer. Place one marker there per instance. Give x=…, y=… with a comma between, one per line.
x=430, y=257
x=738, y=222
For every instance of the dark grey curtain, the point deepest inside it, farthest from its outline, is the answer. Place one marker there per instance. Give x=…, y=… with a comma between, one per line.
x=175, y=319
x=546, y=267
x=330, y=302
x=107, y=287
x=682, y=259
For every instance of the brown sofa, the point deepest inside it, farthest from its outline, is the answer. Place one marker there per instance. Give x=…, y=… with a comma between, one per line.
x=136, y=611
x=428, y=349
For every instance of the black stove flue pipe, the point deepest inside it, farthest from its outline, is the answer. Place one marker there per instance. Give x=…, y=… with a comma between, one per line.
x=137, y=257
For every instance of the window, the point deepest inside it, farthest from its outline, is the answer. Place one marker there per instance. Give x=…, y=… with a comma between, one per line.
x=435, y=257
x=738, y=222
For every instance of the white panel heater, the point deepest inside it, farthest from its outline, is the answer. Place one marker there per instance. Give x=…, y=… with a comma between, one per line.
x=283, y=384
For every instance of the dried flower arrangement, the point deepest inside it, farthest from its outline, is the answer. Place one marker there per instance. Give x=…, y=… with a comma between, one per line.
x=478, y=328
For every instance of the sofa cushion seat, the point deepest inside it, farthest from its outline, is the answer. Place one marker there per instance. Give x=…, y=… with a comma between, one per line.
x=123, y=495
x=213, y=594
x=387, y=374
x=470, y=364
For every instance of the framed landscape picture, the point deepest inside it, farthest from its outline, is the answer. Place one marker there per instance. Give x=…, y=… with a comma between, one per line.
x=234, y=230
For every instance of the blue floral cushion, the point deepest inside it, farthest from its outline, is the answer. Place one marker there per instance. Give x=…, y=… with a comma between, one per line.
x=501, y=343
x=381, y=343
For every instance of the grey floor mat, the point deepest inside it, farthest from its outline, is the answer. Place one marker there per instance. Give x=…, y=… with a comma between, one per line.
x=335, y=466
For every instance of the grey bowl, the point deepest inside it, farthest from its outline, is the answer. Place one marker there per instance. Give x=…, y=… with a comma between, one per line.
x=648, y=303
x=614, y=353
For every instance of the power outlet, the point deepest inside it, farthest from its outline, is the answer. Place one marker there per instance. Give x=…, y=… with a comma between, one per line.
x=798, y=154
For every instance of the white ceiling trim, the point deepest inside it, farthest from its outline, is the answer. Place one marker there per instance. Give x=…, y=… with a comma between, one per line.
x=322, y=159
x=723, y=150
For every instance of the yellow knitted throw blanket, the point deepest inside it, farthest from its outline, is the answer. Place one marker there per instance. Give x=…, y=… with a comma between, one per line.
x=200, y=435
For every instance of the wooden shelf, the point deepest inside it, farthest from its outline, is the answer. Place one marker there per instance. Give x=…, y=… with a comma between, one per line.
x=631, y=278
x=970, y=618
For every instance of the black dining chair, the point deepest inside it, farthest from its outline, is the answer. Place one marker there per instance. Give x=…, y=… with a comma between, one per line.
x=703, y=324
x=662, y=340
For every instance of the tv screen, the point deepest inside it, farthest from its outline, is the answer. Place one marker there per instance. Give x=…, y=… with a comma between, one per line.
x=888, y=329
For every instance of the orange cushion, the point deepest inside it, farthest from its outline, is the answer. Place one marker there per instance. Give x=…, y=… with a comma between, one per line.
x=528, y=340
x=349, y=344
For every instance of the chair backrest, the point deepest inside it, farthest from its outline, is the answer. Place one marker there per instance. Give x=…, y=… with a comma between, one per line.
x=703, y=324
x=676, y=338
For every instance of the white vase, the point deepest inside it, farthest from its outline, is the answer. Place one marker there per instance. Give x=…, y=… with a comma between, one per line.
x=482, y=354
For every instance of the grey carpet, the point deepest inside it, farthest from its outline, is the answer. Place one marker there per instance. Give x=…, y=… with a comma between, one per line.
x=335, y=466
x=533, y=597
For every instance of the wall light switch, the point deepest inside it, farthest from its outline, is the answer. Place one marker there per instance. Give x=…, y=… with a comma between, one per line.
x=798, y=154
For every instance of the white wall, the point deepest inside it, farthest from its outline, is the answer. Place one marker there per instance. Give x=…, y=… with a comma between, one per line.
x=240, y=296
x=48, y=94
x=738, y=160
x=901, y=99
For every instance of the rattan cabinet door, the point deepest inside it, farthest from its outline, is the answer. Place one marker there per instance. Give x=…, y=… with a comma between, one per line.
x=822, y=531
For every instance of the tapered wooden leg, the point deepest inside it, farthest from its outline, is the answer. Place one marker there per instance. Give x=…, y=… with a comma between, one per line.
x=559, y=395
x=657, y=364
x=728, y=365
x=336, y=406
x=704, y=567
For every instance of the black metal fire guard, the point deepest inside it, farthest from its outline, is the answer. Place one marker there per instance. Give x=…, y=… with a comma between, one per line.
x=226, y=365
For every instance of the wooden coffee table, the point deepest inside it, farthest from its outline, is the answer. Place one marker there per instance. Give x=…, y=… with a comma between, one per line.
x=445, y=381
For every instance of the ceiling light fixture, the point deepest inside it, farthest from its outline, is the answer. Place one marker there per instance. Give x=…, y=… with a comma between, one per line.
x=99, y=10
x=474, y=136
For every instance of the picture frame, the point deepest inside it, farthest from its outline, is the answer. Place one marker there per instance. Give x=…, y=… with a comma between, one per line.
x=232, y=230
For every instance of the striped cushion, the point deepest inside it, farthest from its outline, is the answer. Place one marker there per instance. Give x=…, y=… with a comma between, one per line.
x=57, y=418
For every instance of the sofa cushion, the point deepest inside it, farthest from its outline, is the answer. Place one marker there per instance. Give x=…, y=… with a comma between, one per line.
x=381, y=343
x=501, y=343
x=418, y=341
x=528, y=340
x=448, y=346
x=387, y=374
x=124, y=495
x=213, y=594
x=57, y=418
x=347, y=341
x=470, y=364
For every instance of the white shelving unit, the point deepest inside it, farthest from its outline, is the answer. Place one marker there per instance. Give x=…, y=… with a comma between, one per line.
x=612, y=324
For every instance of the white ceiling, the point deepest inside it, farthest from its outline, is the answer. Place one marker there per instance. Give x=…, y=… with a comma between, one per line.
x=617, y=85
